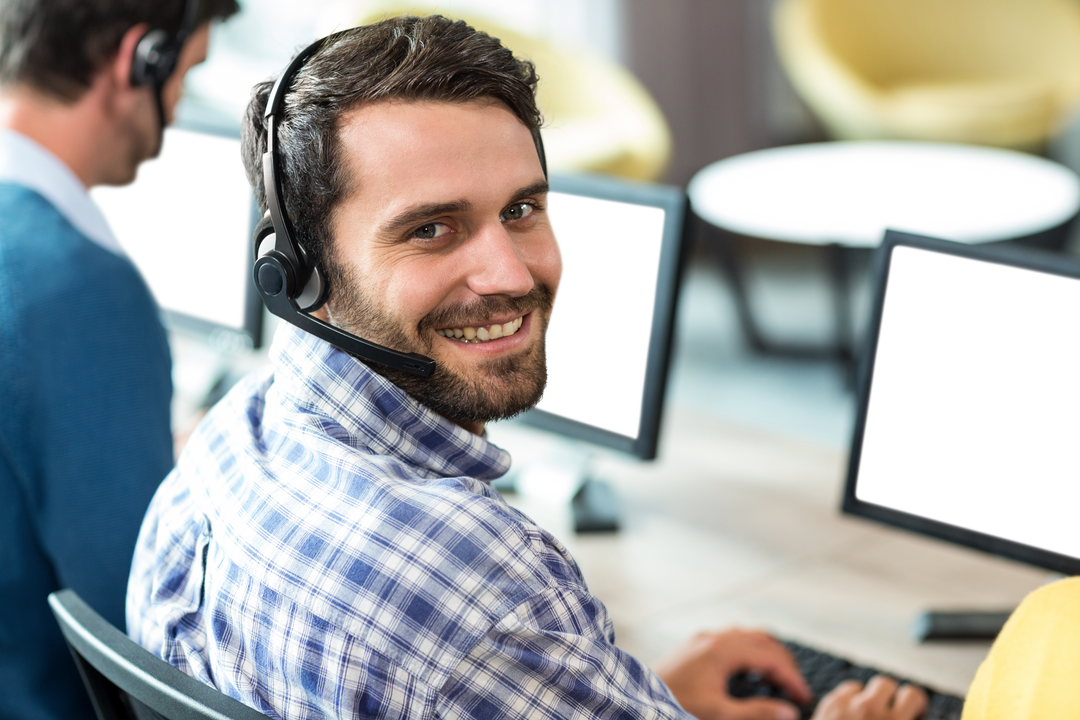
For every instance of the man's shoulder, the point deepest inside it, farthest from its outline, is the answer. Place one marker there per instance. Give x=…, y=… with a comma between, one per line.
x=35, y=226
x=371, y=523
x=27, y=212
x=360, y=542
x=50, y=267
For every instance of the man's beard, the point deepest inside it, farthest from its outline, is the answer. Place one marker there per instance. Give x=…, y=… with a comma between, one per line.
x=500, y=388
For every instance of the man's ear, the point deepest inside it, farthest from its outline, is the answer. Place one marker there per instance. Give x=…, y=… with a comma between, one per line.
x=119, y=67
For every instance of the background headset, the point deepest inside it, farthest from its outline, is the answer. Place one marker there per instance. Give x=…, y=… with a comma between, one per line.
x=156, y=57
x=290, y=286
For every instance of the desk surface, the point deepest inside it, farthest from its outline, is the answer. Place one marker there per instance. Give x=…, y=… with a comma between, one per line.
x=738, y=527
x=732, y=526
x=850, y=192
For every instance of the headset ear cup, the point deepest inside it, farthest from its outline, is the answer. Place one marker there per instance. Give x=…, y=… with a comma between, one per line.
x=315, y=292
x=264, y=228
x=146, y=66
x=272, y=273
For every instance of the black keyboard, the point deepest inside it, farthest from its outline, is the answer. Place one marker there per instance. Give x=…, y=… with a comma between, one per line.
x=823, y=672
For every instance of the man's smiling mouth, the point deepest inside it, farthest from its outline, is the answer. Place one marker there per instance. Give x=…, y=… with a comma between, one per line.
x=482, y=333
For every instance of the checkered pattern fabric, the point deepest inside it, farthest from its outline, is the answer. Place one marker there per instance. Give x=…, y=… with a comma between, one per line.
x=329, y=548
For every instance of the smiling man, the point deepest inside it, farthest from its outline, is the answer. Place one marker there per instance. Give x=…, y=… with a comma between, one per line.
x=329, y=544
x=86, y=89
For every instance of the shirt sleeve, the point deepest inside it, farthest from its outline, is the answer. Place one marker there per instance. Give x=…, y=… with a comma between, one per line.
x=553, y=657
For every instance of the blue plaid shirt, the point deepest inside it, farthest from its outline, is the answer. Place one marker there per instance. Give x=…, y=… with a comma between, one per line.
x=328, y=547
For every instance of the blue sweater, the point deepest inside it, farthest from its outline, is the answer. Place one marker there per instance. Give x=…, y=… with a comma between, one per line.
x=85, y=439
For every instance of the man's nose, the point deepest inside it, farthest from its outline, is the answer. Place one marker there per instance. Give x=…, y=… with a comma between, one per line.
x=496, y=266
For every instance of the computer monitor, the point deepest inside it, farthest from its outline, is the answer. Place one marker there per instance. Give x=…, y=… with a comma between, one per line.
x=969, y=399
x=609, y=340
x=220, y=334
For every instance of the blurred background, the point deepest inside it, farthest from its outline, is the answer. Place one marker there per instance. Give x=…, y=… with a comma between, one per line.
x=658, y=91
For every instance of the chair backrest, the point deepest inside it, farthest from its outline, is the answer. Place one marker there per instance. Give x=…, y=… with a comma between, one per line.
x=127, y=682
x=996, y=72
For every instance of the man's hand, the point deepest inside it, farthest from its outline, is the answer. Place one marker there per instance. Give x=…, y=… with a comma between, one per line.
x=698, y=673
x=881, y=699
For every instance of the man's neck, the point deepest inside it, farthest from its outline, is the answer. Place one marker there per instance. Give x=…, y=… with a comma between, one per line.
x=70, y=131
x=476, y=428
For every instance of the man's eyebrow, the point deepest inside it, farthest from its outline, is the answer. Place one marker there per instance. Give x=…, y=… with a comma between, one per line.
x=537, y=188
x=420, y=213
x=414, y=216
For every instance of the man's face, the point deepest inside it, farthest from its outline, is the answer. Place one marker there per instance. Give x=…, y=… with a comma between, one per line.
x=139, y=126
x=443, y=247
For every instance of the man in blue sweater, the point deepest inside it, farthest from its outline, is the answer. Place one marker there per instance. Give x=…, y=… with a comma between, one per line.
x=86, y=87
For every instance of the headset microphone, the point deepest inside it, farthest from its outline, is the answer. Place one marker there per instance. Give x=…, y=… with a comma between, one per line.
x=290, y=286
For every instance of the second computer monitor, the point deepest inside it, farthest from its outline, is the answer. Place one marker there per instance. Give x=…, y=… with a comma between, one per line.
x=610, y=335
x=969, y=399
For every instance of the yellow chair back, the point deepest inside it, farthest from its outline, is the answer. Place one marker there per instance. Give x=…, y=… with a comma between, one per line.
x=598, y=117
x=995, y=72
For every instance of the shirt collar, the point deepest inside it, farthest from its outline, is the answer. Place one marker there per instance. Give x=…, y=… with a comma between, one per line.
x=376, y=413
x=25, y=162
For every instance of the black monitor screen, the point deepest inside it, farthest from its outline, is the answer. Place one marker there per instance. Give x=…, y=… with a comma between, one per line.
x=969, y=399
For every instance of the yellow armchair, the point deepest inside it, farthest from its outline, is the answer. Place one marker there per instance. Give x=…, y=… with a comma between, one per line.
x=598, y=117
x=994, y=72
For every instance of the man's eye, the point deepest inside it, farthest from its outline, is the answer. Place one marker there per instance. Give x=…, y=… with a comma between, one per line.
x=430, y=231
x=517, y=211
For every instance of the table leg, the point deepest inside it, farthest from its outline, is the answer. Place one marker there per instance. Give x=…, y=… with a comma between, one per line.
x=839, y=259
x=719, y=243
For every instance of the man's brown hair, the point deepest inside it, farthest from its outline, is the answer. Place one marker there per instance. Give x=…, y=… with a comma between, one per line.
x=403, y=58
x=57, y=46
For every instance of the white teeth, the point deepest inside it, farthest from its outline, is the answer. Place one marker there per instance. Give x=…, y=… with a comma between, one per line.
x=482, y=334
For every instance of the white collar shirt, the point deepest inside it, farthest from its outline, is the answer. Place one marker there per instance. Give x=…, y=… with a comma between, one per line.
x=24, y=162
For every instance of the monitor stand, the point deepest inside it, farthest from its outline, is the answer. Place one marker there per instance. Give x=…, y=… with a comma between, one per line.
x=953, y=625
x=961, y=624
x=562, y=470
x=594, y=507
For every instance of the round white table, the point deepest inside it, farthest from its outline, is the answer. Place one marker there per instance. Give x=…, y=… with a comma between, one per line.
x=844, y=195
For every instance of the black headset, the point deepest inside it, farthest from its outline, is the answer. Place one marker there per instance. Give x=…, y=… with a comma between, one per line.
x=292, y=287
x=156, y=57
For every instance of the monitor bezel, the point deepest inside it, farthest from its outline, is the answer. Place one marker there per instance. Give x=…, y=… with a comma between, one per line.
x=675, y=204
x=1000, y=253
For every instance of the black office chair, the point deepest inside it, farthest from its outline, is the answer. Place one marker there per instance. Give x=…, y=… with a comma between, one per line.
x=127, y=682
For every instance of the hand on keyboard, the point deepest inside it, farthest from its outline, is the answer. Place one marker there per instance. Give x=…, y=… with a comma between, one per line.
x=698, y=673
x=837, y=686
x=881, y=699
